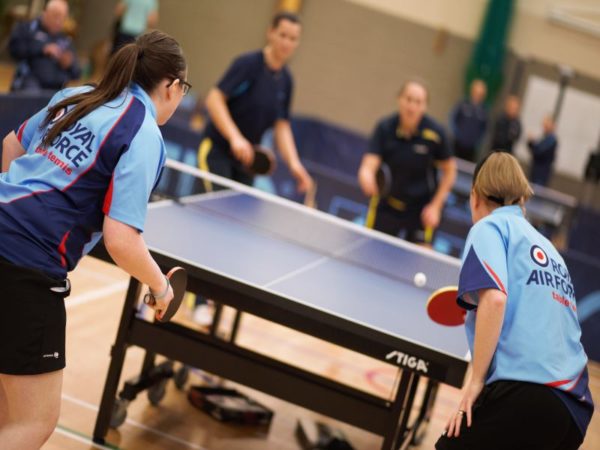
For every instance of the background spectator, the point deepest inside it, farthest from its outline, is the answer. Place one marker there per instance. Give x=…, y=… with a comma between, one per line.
x=44, y=53
x=133, y=18
x=543, y=152
x=507, y=128
x=468, y=121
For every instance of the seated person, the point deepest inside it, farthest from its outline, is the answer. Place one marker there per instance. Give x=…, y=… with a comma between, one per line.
x=44, y=53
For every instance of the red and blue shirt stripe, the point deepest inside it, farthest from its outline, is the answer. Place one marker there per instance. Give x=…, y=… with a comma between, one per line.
x=53, y=200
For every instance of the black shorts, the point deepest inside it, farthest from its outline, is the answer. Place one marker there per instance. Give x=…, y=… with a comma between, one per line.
x=32, y=321
x=223, y=163
x=404, y=224
x=465, y=152
x=517, y=416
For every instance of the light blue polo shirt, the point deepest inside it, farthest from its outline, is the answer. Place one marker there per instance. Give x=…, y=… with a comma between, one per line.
x=135, y=19
x=540, y=337
x=53, y=199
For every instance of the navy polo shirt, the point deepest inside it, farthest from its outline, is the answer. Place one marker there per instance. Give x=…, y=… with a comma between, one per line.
x=506, y=132
x=411, y=158
x=469, y=121
x=256, y=95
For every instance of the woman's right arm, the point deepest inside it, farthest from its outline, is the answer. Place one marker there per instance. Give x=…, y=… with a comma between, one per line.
x=490, y=317
x=366, y=173
x=216, y=104
x=127, y=248
x=11, y=150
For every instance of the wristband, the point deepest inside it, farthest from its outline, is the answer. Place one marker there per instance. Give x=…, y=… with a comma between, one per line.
x=164, y=294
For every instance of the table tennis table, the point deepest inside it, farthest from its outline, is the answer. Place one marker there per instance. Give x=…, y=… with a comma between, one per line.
x=309, y=271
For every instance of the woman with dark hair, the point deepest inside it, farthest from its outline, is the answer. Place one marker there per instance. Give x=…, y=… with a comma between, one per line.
x=528, y=384
x=82, y=167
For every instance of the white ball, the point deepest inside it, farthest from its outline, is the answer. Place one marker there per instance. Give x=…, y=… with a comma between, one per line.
x=420, y=279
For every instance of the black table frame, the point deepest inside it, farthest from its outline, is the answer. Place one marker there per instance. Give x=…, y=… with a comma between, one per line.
x=387, y=418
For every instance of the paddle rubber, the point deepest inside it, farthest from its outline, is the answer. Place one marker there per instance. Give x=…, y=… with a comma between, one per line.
x=264, y=161
x=383, y=178
x=178, y=278
x=443, y=309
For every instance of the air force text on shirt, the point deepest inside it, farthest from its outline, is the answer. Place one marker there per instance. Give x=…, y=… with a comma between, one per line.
x=553, y=274
x=71, y=147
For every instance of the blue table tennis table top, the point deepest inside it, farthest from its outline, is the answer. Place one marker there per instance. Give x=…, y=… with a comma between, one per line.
x=308, y=257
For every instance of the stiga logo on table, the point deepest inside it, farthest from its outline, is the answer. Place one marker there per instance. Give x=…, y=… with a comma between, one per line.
x=550, y=273
x=406, y=360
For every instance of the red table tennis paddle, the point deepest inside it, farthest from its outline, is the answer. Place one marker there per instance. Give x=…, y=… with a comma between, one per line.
x=178, y=278
x=443, y=309
x=383, y=178
x=264, y=161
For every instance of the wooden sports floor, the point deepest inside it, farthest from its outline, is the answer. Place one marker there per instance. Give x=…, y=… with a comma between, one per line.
x=93, y=312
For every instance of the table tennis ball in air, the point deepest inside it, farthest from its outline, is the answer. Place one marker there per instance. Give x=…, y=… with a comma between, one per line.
x=420, y=279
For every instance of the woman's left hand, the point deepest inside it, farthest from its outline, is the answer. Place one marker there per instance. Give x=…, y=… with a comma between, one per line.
x=303, y=180
x=430, y=216
x=470, y=393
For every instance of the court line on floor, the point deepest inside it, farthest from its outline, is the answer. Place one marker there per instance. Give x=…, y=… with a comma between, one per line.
x=96, y=294
x=98, y=275
x=80, y=437
x=133, y=423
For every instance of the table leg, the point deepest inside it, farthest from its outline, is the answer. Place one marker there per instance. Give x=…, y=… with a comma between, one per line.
x=118, y=352
x=398, y=410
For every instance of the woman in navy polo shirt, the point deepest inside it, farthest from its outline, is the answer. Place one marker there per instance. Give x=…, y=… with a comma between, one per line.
x=415, y=147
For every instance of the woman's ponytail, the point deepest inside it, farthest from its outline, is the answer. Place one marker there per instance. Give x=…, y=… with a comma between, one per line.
x=154, y=56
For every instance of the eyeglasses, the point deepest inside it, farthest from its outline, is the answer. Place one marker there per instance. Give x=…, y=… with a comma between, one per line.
x=185, y=86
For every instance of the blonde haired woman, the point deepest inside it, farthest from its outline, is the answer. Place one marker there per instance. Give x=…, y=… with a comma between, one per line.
x=528, y=384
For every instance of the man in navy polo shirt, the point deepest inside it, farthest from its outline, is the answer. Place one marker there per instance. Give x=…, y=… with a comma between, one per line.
x=414, y=146
x=254, y=95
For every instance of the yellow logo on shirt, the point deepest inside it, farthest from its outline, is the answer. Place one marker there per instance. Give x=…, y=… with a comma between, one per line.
x=431, y=135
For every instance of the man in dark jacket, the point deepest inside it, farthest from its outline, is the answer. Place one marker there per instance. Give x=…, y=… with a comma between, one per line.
x=468, y=121
x=507, y=128
x=45, y=55
x=543, y=153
